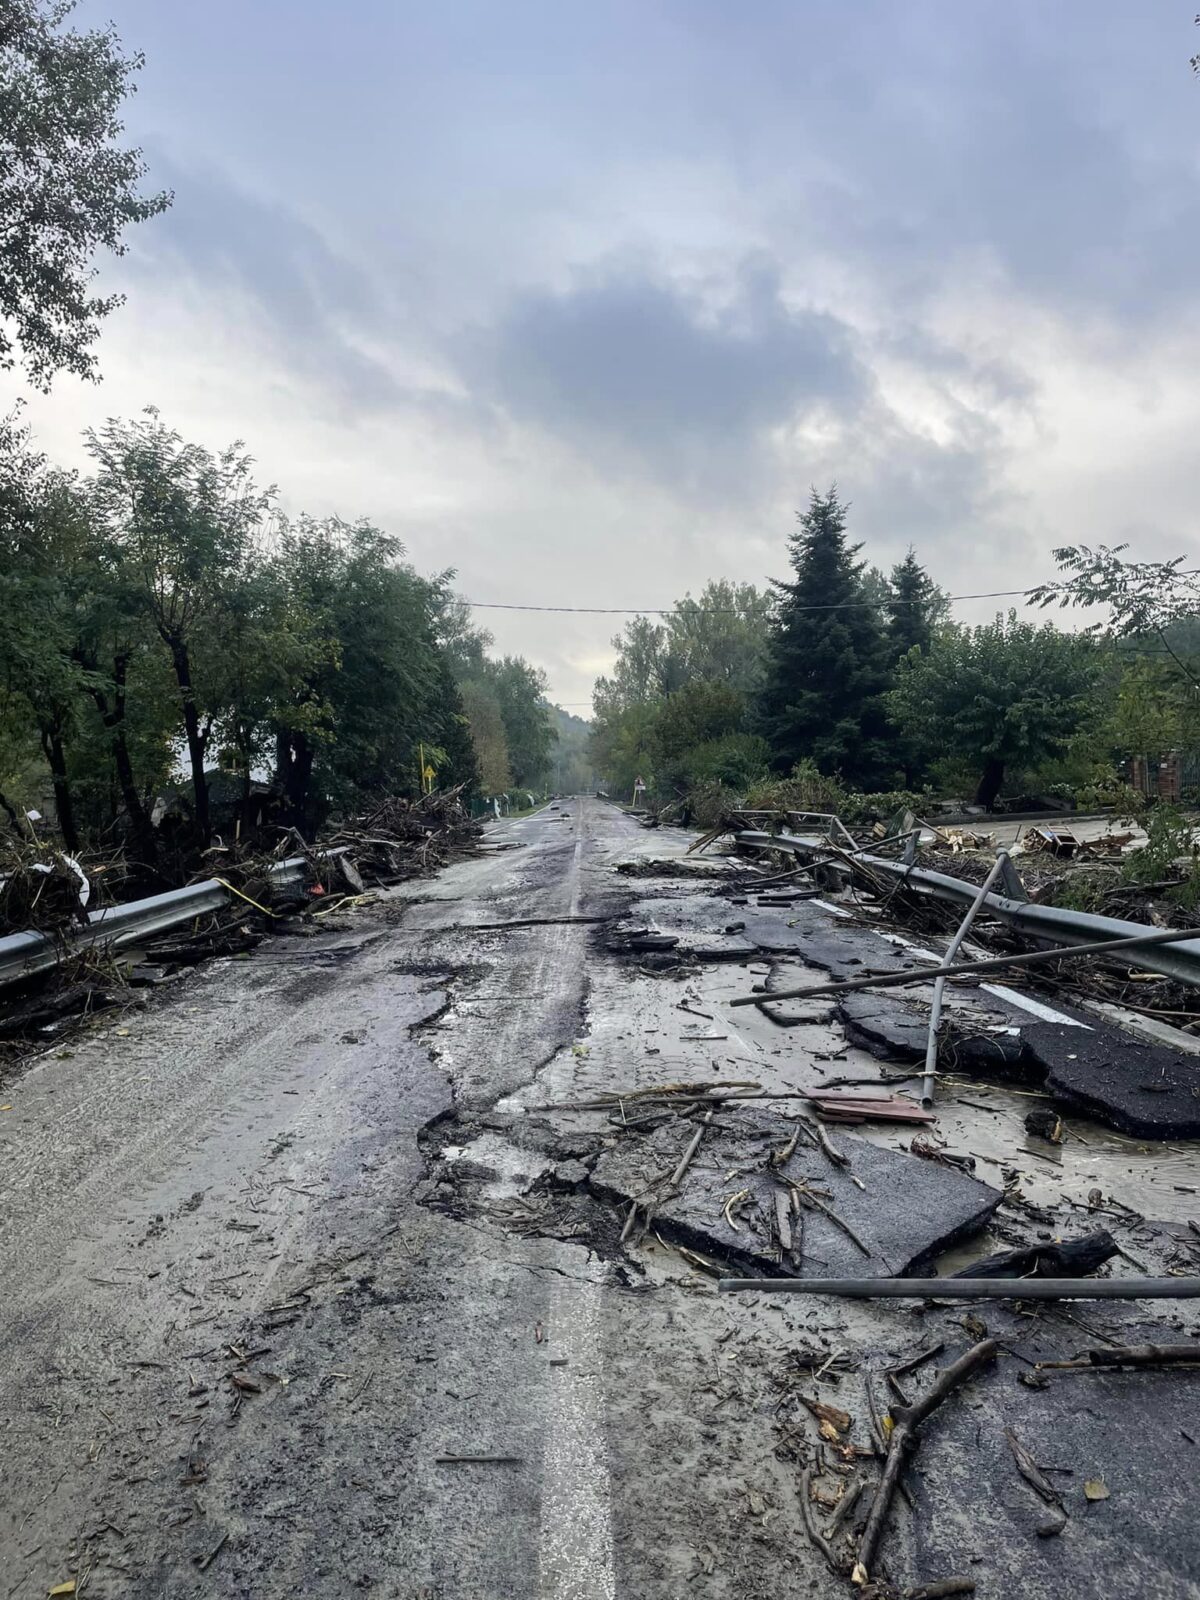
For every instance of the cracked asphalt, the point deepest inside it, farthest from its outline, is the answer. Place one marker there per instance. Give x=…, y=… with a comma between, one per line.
x=301, y=1291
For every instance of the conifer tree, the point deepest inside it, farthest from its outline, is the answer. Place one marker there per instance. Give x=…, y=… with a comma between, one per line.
x=827, y=662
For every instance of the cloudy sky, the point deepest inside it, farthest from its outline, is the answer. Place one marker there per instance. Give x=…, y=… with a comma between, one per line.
x=580, y=298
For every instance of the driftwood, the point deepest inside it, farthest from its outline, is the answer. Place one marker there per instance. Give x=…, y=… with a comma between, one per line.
x=816, y=1538
x=902, y=1442
x=1031, y=1472
x=1075, y=1258
x=943, y=1587
x=1128, y=1355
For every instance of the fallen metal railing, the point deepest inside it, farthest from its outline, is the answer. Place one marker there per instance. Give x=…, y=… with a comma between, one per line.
x=24, y=954
x=1054, y=924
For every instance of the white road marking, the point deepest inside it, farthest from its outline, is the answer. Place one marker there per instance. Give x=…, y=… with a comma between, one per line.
x=1023, y=1001
x=825, y=906
x=575, y=1554
x=1034, y=1007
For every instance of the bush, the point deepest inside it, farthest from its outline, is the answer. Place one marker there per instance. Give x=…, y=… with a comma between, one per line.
x=710, y=803
x=808, y=789
x=1168, y=840
x=737, y=760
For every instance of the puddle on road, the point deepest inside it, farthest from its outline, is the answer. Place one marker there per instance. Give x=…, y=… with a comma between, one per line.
x=512, y=1169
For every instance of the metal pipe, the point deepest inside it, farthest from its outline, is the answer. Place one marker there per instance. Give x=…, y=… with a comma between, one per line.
x=972, y=1288
x=935, y=1011
x=970, y=969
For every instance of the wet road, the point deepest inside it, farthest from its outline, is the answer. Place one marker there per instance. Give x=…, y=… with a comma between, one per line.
x=270, y=1268
x=227, y=1173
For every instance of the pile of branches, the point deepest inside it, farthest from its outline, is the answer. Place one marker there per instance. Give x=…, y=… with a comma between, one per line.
x=39, y=889
x=402, y=838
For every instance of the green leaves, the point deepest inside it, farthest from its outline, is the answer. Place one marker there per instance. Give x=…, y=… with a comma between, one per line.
x=67, y=187
x=1003, y=695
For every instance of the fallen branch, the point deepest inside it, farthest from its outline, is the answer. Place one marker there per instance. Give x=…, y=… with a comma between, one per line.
x=807, y=1198
x=1128, y=1355
x=902, y=1442
x=943, y=1587
x=816, y=1538
x=1031, y=1472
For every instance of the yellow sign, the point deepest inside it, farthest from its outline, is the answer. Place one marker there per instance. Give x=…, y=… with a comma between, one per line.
x=429, y=774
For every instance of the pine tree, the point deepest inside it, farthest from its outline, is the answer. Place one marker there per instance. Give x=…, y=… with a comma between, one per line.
x=915, y=605
x=827, y=663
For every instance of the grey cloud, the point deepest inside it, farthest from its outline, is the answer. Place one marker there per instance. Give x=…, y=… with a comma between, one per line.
x=312, y=303
x=639, y=365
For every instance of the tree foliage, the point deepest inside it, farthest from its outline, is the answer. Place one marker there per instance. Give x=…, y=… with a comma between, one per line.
x=67, y=187
x=827, y=668
x=1004, y=695
x=160, y=610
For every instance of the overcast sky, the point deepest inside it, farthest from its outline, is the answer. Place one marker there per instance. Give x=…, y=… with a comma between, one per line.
x=580, y=298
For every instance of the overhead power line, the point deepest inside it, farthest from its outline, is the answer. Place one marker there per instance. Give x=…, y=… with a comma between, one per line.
x=718, y=611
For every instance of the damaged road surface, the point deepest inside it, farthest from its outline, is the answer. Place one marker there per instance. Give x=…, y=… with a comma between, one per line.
x=314, y=1279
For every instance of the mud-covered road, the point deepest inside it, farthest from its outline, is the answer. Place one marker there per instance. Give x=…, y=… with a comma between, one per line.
x=305, y=1289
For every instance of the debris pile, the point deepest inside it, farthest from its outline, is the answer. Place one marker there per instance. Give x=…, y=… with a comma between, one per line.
x=402, y=838
x=40, y=889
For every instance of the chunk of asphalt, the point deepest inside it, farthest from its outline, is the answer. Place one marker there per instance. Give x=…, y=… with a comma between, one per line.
x=973, y=1506
x=908, y=1211
x=1147, y=1090
x=894, y=1030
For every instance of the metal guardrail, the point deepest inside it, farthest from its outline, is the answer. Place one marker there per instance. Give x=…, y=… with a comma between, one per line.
x=1054, y=924
x=24, y=954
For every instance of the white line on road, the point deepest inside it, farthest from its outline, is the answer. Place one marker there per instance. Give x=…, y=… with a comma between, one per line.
x=575, y=1556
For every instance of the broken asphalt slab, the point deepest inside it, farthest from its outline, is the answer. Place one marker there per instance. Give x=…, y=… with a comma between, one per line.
x=906, y=1213
x=1146, y=1090
x=1131, y=1430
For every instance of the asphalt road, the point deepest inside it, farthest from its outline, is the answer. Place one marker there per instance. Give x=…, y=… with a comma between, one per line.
x=269, y=1256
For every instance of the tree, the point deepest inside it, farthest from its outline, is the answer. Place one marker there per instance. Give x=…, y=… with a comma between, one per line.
x=528, y=729
x=573, y=772
x=184, y=521
x=1005, y=695
x=482, y=707
x=826, y=668
x=915, y=606
x=376, y=691
x=67, y=187
x=721, y=637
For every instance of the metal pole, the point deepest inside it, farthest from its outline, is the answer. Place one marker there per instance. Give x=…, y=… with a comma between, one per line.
x=971, y=969
x=973, y=1288
x=935, y=1012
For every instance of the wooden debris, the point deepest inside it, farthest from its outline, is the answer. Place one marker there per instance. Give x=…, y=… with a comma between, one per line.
x=1068, y=1259
x=1031, y=1472
x=478, y=1459
x=1129, y=1355
x=816, y=1538
x=903, y=1440
x=844, y=1105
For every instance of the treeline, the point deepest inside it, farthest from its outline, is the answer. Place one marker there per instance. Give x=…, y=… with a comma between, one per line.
x=847, y=678
x=166, y=633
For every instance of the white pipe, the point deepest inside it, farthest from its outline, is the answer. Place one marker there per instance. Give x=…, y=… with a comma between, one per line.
x=935, y=1014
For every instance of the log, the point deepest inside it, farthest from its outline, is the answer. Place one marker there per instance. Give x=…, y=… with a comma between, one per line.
x=1075, y=1258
